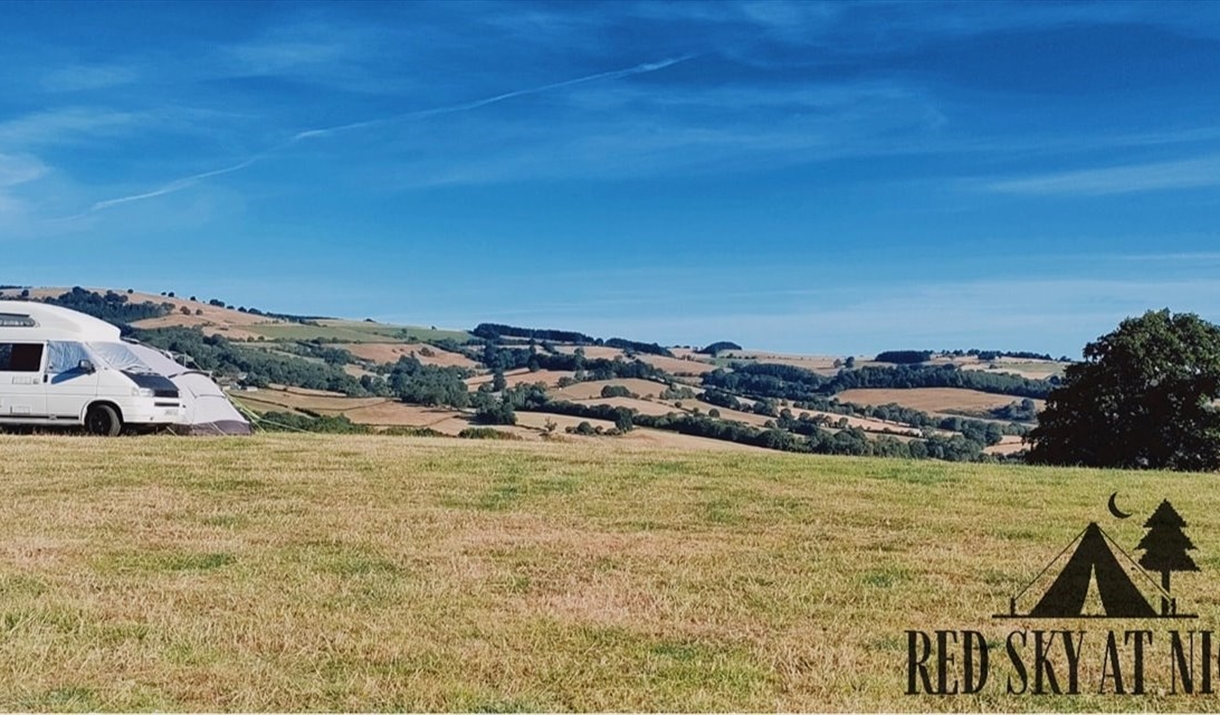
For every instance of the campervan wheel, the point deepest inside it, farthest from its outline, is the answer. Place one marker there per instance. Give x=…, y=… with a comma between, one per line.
x=103, y=420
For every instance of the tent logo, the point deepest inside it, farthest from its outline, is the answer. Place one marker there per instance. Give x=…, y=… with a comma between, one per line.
x=1092, y=577
x=1094, y=560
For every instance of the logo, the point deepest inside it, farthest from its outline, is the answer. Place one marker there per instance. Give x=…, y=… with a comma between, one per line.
x=1093, y=560
x=1092, y=577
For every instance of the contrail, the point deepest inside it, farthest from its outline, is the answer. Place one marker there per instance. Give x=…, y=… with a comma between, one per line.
x=189, y=181
x=179, y=184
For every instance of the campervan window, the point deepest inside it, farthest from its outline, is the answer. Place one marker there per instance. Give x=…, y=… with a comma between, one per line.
x=16, y=320
x=20, y=357
x=65, y=356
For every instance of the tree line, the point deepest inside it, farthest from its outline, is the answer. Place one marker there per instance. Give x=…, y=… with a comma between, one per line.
x=111, y=307
x=495, y=332
x=794, y=383
x=903, y=357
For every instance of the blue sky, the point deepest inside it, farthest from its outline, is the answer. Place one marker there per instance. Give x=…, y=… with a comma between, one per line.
x=814, y=177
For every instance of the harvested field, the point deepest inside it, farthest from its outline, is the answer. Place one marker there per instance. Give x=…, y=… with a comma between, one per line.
x=391, y=352
x=358, y=372
x=1009, y=444
x=393, y=412
x=538, y=420
x=593, y=388
x=644, y=407
x=321, y=403
x=932, y=399
x=676, y=366
x=592, y=351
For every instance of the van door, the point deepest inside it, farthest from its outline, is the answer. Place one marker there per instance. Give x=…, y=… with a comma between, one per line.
x=22, y=391
x=68, y=387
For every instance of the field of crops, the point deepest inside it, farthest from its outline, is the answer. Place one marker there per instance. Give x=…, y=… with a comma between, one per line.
x=307, y=572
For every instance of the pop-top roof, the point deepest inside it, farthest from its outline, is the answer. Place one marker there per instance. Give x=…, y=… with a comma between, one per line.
x=20, y=320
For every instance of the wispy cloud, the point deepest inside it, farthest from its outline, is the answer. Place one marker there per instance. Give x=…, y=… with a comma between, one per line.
x=1185, y=174
x=65, y=124
x=80, y=77
x=15, y=172
x=633, y=130
x=18, y=169
x=860, y=27
x=186, y=182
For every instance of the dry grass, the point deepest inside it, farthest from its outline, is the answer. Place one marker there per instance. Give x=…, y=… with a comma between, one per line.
x=301, y=399
x=677, y=366
x=1009, y=444
x=666, y=440
x=592, y=351
x=398, y=413
x=539, y=420
x=309, y=572
x=358, y=372
x=391, y=352
x=932, y=399
x=593, y=388
x=644, y=407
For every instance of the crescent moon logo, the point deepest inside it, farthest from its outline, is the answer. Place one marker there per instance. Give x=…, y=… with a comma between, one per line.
x=1114, y=507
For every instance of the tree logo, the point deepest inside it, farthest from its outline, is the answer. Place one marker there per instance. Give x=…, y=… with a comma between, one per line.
x=1094, y=560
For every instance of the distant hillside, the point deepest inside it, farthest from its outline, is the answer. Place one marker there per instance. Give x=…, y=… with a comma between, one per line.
x=540, y=383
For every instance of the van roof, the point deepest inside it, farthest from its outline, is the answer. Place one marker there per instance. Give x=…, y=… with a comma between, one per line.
x=22, y=320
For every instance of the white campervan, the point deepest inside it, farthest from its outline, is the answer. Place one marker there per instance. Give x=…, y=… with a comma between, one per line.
x=61, y=367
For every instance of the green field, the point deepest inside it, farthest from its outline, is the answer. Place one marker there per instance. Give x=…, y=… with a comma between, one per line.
x=311, y=572
x=355, y=331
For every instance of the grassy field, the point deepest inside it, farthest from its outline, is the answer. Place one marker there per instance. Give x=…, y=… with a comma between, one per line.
x=310, y=572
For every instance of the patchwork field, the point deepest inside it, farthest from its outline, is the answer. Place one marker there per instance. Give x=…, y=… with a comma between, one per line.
x=932, y=399
x=310, y=572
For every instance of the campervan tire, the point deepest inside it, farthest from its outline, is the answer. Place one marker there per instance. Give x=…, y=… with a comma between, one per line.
x=103, y=420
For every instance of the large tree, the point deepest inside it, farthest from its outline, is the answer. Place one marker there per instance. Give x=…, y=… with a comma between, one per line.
x=1141, y=399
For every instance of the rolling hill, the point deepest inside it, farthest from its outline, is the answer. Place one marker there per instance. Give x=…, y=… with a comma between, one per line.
x=377, y=376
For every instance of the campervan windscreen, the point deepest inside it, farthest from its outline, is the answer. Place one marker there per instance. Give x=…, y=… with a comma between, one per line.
x=121, y=357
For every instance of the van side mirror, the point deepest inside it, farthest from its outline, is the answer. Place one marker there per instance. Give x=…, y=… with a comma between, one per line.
x=86, y=366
